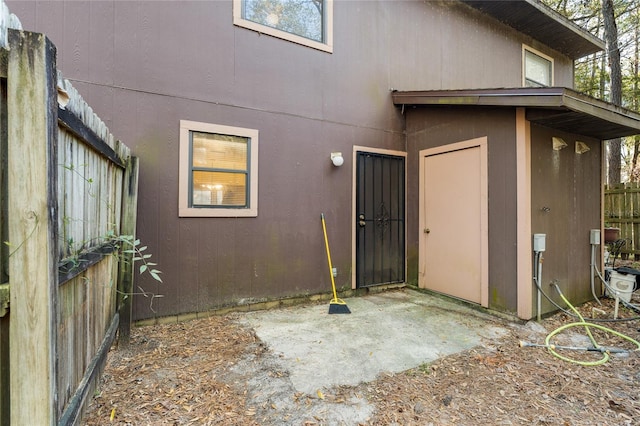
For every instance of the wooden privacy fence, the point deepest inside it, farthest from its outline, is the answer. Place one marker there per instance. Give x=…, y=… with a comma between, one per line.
x=68, y=193
x=622, y=210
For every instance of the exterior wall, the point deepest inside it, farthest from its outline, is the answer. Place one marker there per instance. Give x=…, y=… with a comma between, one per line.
x=446, y=45
x=432, y=127
x=144, y=66
x=564, y=182
x=574, y=208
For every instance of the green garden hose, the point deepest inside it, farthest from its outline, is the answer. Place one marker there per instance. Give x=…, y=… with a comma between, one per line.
x=587, y=326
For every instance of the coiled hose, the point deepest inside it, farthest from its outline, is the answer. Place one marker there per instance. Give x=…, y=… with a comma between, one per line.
x=587, y=325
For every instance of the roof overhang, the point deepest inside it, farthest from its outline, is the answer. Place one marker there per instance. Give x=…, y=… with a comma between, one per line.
x=555, y=107
x=542, y=23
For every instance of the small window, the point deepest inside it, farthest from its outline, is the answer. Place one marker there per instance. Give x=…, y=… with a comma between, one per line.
x=306, y=22
x=218, y=170
x=538, y=68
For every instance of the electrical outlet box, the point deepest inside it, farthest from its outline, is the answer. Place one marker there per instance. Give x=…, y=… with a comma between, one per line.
x=539, y=242
x=594, y=237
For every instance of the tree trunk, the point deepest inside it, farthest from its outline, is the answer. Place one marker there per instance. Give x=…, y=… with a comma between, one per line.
x=613, y=53
x=635, y=172
x=635, y=169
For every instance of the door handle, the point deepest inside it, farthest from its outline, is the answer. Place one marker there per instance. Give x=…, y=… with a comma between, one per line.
x=426, y=230
x=362, y=223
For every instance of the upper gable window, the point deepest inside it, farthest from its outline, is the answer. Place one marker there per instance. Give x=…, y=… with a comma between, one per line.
x=537, y=67
x=307, y=22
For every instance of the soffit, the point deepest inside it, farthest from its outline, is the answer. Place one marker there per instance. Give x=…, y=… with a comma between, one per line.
x=543, y=24
x=555, y=107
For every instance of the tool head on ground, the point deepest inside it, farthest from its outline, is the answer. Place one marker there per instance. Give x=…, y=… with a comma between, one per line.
x=338, y=307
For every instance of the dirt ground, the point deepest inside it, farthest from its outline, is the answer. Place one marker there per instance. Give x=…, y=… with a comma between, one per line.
x=209, y=372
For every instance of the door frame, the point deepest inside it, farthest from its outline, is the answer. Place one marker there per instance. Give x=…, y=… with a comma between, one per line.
x=484, y=211
x=357, y=149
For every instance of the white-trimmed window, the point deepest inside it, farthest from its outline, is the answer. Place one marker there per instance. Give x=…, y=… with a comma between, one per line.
x=218, y=171
x=537, y=68
x=306, y=22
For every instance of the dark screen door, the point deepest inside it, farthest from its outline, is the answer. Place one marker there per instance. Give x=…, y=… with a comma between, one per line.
x=380, y=219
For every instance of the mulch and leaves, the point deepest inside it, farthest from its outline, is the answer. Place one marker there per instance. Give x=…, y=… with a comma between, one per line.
x=187, y=374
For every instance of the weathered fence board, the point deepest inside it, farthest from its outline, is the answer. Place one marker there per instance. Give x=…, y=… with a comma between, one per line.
x=87, y=303
x=66, y=185
x=622, y=210
x=4, y=223
x=129, y=210
x=32, y=211
x=4, y=250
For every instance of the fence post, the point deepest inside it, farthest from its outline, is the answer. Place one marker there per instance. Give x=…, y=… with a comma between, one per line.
x=5, y=407
x=127, y=227
x=32, y=174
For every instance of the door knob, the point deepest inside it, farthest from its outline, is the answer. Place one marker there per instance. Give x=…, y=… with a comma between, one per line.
x=426, y=230
x=362, y=223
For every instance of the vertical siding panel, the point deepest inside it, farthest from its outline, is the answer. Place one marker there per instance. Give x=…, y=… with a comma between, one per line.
x=190, y=235
x=208, y=275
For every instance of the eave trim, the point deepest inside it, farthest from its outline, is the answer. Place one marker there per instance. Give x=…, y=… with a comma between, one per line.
x=605, y=120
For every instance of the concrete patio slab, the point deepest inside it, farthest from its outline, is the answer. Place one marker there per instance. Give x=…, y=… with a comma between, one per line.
x=388, y=331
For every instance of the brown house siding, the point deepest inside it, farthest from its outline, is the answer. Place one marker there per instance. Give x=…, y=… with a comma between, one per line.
x=574, y=209
x=212, y=262
x=144, y=66
x=431, y=127
x=565, y=198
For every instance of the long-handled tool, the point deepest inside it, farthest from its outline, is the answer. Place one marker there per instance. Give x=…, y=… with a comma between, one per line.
x=336, y=306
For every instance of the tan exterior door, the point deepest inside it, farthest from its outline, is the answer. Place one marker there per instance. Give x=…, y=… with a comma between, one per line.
x=454, y=240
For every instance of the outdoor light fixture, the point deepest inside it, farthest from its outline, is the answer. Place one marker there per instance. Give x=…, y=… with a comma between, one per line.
x=337, y=159
x=581, y=147
x=558, y=143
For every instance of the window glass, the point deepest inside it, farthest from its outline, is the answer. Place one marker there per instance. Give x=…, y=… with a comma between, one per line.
x=306, y=22
x=537, y=69
x=219, y=189
x=218, y=170
x=300, y=17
